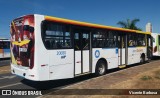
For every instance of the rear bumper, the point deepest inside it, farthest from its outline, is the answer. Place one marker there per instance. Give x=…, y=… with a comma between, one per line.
x=19, y=70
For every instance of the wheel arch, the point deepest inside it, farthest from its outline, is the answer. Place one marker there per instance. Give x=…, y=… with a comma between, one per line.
x=104, y=60
x=143, y=55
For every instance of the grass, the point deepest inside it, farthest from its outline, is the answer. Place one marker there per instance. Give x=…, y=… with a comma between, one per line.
x=146, y=78
x=156, y=75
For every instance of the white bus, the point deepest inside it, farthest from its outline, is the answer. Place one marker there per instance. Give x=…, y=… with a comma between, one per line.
x=156, y=44
x=4, y=48
x=49, y=48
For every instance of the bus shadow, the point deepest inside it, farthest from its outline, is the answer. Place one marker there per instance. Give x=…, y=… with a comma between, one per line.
x=156, y=58
x=58, y=84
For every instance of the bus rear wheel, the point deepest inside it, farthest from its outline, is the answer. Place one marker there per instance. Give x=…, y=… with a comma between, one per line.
x=100, y=68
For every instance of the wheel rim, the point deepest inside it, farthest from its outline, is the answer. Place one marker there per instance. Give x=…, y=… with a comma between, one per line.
x=101, y=69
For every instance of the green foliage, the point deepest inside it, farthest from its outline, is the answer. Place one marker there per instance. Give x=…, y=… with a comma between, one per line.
x=130, y=24
x=146, y=77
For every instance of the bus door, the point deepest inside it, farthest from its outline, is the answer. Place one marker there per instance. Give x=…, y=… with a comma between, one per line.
x=122, y=51
x=158, y=46
x=82, y=51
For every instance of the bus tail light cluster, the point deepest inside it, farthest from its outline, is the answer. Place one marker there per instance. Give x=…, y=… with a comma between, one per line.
x=44, y=65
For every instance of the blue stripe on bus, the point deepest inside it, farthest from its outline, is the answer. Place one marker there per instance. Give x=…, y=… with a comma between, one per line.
x=116, y=49
x=6, y=50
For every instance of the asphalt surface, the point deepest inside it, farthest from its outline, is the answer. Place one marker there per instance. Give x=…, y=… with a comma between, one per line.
x=4, y=62
x=10, y=81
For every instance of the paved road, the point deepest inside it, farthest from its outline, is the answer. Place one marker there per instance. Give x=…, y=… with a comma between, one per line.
x=4, y=62
x=9, y=81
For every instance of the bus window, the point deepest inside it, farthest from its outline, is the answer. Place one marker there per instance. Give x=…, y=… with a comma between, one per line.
x=6, y=45
x=1, y=45
x=141, y=40
x=99, y=39
x=56, y=36
x=135, y=40
x=159, y=39
x=85, y=41
x=112, y=39
x=77, y=41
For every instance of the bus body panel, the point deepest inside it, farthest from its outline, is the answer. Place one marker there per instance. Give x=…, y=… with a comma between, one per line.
x=1, y=53
x=156, y=44
x=6, y=53
x=78, y=57
x=4, y=48
x=85, y=61
x=61, y=64
x=134, y=54
x=41, y=54
x=110, y=54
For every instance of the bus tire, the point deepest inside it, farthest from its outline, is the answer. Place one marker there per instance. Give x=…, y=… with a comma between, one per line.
x=142, y=59
x=100, y=68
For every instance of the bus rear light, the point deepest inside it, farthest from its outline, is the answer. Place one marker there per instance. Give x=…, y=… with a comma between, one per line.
x=78, y=62
x=43, y=65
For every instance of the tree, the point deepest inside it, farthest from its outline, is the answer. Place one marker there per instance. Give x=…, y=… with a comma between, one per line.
x=129, y=24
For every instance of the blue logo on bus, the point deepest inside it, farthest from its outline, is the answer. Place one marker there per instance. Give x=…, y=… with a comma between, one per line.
x=116, y=50
x=97, y=53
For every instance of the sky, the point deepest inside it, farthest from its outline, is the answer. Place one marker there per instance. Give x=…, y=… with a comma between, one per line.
x=105, y=12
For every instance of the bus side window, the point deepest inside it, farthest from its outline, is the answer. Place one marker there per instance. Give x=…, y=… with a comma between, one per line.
x=76, y=46
x=77, y=41
x=54, y=44
x=47, y=43
x=1, y=45
x=59, y=45
x=159, y=39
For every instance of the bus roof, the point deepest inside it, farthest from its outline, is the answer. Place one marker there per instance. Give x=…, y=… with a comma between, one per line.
x=73, y=22
x=4, y=39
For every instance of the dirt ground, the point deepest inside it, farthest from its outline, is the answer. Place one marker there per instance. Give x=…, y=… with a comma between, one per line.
x=146, y=76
